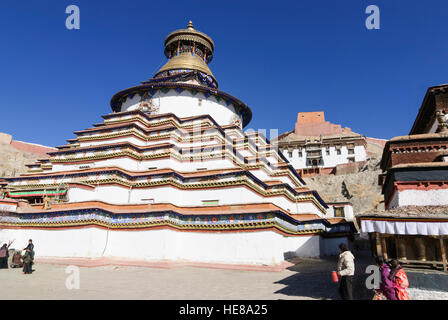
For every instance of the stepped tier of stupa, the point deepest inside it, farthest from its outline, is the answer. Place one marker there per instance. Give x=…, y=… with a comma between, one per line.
x=170, y=175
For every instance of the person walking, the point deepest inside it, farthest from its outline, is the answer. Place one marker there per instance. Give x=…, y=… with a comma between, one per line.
x=346, y=270
x=387, y=286
x=4, y=254
x=27, y=261
x=400, y=280
x=30, y=245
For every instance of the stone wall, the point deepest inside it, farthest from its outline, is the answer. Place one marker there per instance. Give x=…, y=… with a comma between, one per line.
x=348, y=168
x=14, y=155
x=5, y=138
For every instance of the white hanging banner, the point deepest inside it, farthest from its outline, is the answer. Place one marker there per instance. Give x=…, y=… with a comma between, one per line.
x=405, y=227
x=380, y=226
x=390, y=228
x=400, y=227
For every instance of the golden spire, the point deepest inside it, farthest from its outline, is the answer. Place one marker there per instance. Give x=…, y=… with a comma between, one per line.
x=188, y=49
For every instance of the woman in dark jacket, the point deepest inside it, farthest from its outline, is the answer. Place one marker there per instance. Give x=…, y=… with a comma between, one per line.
x=27, y=261
x=4, y=255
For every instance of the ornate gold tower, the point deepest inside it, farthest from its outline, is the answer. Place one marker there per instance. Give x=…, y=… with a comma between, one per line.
x=187, y=50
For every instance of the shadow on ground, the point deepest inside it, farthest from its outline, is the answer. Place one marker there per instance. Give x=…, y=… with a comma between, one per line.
x=427, y=279
x=313, y=278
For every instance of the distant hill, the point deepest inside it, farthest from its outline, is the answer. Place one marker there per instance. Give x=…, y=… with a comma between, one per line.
x=14, y=155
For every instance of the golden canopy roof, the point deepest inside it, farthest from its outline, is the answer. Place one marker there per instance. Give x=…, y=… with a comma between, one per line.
x=188, y=49
x=186, y=61
x=190, y=33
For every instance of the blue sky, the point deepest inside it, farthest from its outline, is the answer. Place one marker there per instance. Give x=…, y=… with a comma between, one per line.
x=279, y=57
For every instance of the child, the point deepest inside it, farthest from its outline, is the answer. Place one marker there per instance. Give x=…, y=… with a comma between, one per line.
x=400, y=279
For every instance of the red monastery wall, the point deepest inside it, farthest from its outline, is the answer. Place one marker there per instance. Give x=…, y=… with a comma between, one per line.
x=29, y=147
x=314, y=124
x=407, y=158
x=417, y=151
x=6, y=139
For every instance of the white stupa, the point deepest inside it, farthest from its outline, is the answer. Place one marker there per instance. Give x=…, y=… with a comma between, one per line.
x=170, y=175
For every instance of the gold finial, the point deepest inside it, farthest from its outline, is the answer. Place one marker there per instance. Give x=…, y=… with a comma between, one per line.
x=190, y=25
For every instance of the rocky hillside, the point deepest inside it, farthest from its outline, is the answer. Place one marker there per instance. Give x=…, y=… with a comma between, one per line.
x=360, y=188
x=14, y=155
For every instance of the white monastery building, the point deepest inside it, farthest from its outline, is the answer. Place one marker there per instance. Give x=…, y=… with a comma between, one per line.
x=317, y=146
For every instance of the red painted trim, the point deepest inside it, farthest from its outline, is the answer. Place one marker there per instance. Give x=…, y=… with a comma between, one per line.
x=12, y=202
x=159, y=228
x=420, y=185
x=80, y=186
x=148, y=208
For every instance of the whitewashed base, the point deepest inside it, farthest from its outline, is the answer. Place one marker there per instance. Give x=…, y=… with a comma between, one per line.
x=259, y=247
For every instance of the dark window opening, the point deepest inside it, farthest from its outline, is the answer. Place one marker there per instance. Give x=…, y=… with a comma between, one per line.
x=339, y=212
x=36, y=200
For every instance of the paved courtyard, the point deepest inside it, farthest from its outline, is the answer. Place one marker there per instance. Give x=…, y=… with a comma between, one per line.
x=122, y=282
x=306, y=279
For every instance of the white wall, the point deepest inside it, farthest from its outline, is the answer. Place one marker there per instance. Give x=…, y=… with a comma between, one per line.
x=185, y=198
x=184, y=104
x=260, y=247
x=419, y=198
x=133, y=165
x=329, y=161
x=348, y=210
